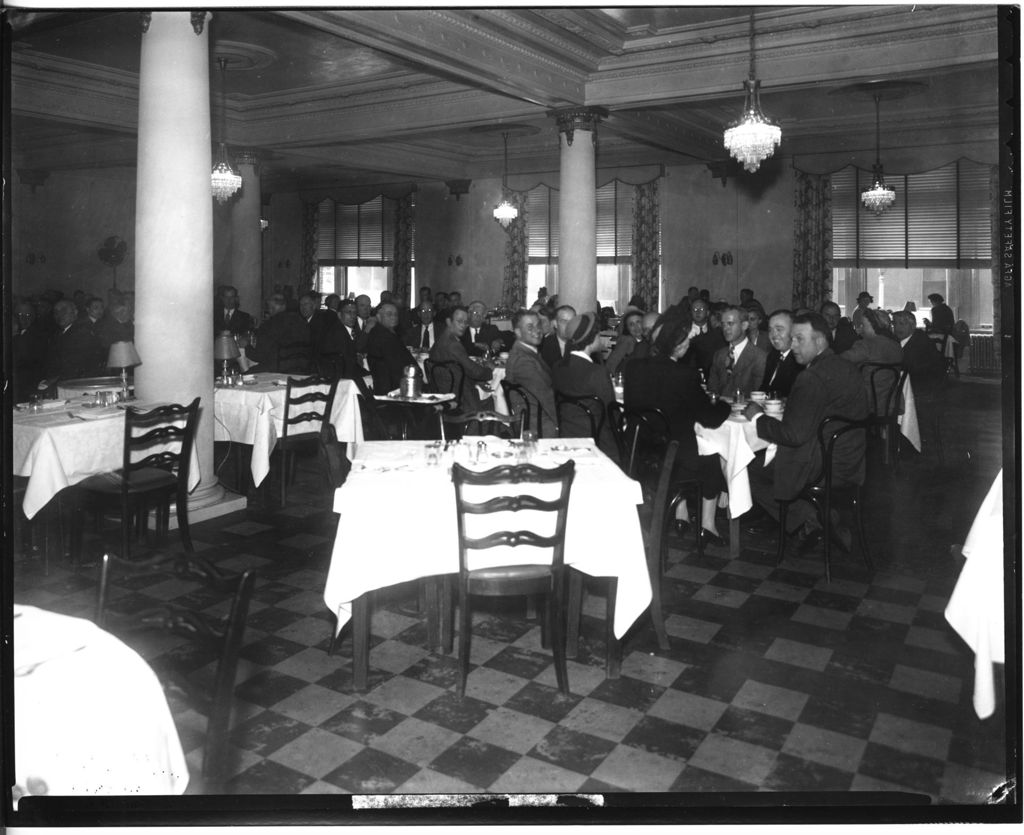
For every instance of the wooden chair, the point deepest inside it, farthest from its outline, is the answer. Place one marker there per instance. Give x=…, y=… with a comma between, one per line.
x=823, y=493
x=620, y=431
x=221, y=637
x=446, y=377
x=155, y=466
x=484, y=423
x=654, y=547
x=521, y=400
x=885, y=388
x=589, y=405
x=449, y=377
x=306, y=405
x=382, y=421
x=647, y=440
x=500, y=490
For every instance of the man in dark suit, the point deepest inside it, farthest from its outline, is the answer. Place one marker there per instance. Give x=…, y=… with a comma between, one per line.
x=738, y=366
x=450, y=348
x=555, y=345
x=828, y=385
x=926, y=365
x=706, y=340
x=481, y=336
x=352, y=341
x=28, y=351
x=282, y=341
x=841, y=334
x=74, y=350
x=524, y=367
x=942, y=320
x=426, y=331
x=386, y=353
x=227, y=316
x=325, y=336
x=780, y=366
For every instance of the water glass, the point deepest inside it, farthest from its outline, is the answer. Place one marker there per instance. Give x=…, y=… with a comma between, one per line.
x=529, y=444
x=432, y=455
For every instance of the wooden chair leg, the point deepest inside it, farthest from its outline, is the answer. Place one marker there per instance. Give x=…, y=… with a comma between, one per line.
x=613, y=646
x=465, y=625
x=826, y=524
x=181, y=511
x=698, y=501
x=573, y=613
x=554, y=609
x=859, y=520
x=780, y=555
x=360, y=642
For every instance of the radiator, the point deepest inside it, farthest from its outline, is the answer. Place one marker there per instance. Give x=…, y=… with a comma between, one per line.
x=983, y=355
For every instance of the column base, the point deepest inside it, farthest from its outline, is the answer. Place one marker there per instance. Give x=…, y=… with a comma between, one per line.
x=213, y=503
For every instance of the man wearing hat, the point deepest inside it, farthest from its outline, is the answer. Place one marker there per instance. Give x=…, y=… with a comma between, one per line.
x=578, y=376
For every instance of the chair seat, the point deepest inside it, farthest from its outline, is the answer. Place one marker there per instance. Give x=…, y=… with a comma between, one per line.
x=140, y=481
x=510, y=579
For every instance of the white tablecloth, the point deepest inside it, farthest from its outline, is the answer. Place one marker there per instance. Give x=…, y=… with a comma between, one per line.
x=90, y=716
x=908, y=420
x=392, y=500
x=975, y=608
x=253, y=415
x=736, y=442
x=55, y=450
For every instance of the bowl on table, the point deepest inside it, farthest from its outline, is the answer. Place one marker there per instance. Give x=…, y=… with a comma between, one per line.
x=737, y=408
x=773, y=407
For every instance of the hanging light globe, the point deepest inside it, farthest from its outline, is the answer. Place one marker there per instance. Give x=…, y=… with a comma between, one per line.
x=754, y=137
x=224, y=180
x=879, y=197
x=505, y=213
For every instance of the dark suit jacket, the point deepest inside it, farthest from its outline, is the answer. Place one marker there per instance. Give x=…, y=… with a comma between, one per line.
x=551, y=351
x=674, y=388
x=325, y=337
x=746, y=375
x=783, y=382
x=486, y=335
x=575, y=377
x=414, y=336
x=108, y=330
x=525, y=368
x=875, y=349
x=387, y=356
x=279, y=341
x=942, y=319
x=75, y=353
x=844, y=337
x=450, y=349
x=829, y=385
x=926, y=365
x=241, y=322
x=28, y=360
x=348, y=352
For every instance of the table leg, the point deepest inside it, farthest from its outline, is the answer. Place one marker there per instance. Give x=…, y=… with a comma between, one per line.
x=734, y=537
x=360, y=642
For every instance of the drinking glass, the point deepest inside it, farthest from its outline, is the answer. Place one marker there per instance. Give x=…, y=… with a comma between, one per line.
x=529, y=444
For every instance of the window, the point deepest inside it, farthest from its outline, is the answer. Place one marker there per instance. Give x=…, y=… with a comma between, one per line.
x=614, y=242
x=936, y=238
x=355, y=247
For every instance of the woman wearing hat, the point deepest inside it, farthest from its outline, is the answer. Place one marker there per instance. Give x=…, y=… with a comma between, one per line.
x=660, y=381
x=577, y=375
x=876, y=344
x=630, y=334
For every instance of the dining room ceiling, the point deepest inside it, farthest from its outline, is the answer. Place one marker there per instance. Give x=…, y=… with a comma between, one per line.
x=355, y=96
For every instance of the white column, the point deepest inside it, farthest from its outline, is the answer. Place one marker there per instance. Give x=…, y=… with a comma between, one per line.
x=246, y=236
x=174, y=227
x=577, y=207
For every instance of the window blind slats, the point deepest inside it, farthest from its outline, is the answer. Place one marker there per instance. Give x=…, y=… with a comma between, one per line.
x=940, y=218
x=542, y=223
x=358, y=233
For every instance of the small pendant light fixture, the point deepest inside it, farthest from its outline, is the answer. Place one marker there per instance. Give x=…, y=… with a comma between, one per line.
x=224, y=179
x=505, y=212
x=879, y=197
x=754, y=137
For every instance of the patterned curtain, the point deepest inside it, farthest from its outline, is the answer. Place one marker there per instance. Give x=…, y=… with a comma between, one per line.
x=405, y=218
x=517, y=251
x=812, y=241
x=310, y=233
x=646, y=256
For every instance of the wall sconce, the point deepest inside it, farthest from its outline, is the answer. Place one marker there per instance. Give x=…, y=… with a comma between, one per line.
x=457, y=260
x=725, y=259
x=264, y=224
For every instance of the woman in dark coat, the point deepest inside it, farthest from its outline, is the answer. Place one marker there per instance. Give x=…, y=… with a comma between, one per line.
x=662, y=382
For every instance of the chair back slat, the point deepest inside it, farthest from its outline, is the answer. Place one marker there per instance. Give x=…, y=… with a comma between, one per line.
x=320, y=390
x=171, y=428
x=521, y=401
x=647, y=435
x=447, y=377
x=511, y=478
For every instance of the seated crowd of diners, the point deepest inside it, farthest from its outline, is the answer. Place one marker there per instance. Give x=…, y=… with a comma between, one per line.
x=689, y=361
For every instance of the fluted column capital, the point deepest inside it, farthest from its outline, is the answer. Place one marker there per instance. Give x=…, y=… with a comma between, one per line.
x=571, y=119
x=247, y=156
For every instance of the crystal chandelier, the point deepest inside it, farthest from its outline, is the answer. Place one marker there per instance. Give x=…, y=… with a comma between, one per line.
x=879, y=197
x=754, y=137
x=224, y=180
x=505, y=212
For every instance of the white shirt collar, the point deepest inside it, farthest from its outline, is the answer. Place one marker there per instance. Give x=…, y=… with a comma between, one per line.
x=738, y=349
x=903, y=342
x=784, y=354
x=582, y=355
x=526, y=345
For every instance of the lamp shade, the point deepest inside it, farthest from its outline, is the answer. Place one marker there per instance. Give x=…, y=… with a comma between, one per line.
x=224, y=347
x=123, y=355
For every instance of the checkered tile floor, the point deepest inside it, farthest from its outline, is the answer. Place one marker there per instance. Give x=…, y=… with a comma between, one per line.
x=775, y=680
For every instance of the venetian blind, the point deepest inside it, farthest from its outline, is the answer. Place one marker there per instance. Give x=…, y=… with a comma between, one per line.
x=614, y=222
x=941, y=218
x=357, y=234
x=542, y=224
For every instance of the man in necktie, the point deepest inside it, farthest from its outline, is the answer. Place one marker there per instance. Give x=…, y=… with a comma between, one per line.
x=231, y=318
x=781, y=367
x=424, y=335
x=738, y=366
x=480, y=336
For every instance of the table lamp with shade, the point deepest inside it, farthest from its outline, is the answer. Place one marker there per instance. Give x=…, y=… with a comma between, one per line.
x=226, y=349
x=124, y=356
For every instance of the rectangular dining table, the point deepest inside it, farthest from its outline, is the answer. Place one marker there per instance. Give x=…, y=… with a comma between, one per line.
x=59, y=447
x=398, y=523
x=90, y=715
x=254, y=414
